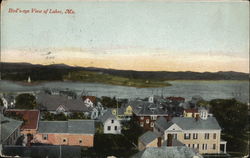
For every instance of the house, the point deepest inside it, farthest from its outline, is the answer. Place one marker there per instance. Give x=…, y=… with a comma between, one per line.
x=8, y=101
x=167, y=152
x=190, y=112
x=201, y=133
x=176, y=99
x=148, y=139
x=71, y=132
x=61, y=104
x=111, y=125
x=30, y=118
x=89, y=101
x=10, y=131
x=146, y=113
x=154, y=139
x=124, y=112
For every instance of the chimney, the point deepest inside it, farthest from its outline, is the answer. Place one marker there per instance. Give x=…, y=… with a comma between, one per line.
x=197, y=117
x=169, y=118
x=170, y=140
x=159, y=143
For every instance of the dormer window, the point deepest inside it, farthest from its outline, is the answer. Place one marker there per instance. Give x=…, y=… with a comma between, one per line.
x=112, y=121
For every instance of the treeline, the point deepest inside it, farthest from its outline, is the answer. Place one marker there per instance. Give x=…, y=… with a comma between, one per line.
x=21, y=71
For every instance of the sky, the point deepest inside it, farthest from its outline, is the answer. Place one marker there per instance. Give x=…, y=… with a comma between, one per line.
x=128, y=35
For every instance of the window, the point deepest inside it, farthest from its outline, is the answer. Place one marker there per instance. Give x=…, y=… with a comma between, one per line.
x=214, y=146
x=175, y=136
x=153, y=117
x=152, y=124
x=109, y=128
x=142, y=117
x=141, y=124
x=80, y=141
x=187, y=136
x=112, y=121
x=115, y=127
x=206, y=135
x=193, y=145
x=204, y=146
x=45, y=136
x=64, y=140
x=198, y=146
x=195, y=136
x=147, y=121
x=214, y=136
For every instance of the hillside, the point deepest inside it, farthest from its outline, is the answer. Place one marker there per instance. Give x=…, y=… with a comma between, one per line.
x=21, y=71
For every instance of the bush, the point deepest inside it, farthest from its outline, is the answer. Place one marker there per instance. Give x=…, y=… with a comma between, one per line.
x=25, y=101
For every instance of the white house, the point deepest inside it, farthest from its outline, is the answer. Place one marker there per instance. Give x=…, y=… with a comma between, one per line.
x=8, y=101
x=111, y=125
x=89, y=101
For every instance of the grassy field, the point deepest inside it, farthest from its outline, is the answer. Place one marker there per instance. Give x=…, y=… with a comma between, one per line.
x=97, y=77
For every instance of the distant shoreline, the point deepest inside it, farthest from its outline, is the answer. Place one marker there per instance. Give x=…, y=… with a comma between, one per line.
x=35, y=83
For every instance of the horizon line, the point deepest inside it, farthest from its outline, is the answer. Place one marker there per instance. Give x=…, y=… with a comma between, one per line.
x=68, y=65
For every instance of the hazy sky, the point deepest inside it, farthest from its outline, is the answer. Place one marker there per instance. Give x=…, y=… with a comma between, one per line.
x=159, y=35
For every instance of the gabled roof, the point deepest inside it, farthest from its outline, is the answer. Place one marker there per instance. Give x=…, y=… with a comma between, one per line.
x=70, y=127
x=144, y=108
x=187, y=123
x=162, y=123
x=148, y=137
x=30, y=117
x=8, y=126
x=191, y=124
x=91, y=98
x=167, y=152
x=52, y=102
x=107, y=115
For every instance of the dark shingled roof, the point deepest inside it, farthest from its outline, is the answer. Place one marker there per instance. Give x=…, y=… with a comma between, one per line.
x=108, y=114
x=167, y=152
x=52, y=102
x=148, y=137
x=189, y=123
x=162, y=123
x=71, y=126
x=142, y=108
x=8, y=126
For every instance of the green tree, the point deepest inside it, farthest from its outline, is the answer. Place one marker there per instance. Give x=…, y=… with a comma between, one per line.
x=77, y=115
x=233, y=118
x=54, y=117
x=231, y=115
x=132, y=130
x=203, y=103
x=110, y=102
x=25, y=101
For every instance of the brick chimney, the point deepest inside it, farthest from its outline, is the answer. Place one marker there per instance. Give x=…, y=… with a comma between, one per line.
x=197, y=117
x=169, y=118
x=170, y=140
x=159, y=144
